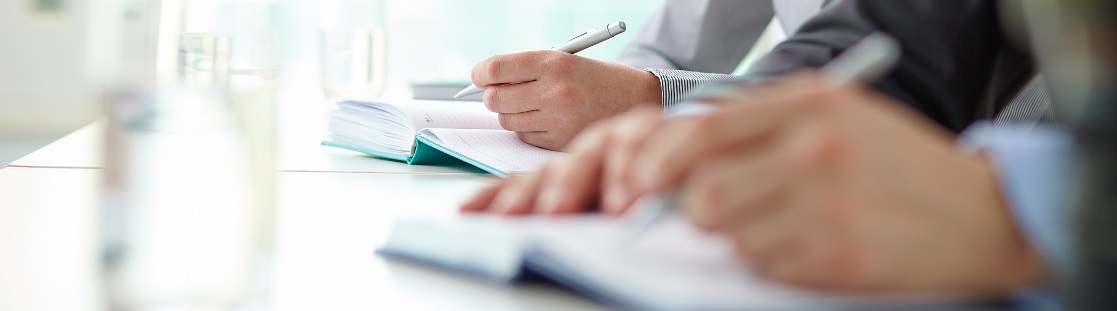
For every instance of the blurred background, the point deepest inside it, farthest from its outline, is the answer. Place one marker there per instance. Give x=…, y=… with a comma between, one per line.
x=51, y=82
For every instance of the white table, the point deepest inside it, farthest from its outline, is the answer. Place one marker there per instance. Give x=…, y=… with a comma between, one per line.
x=327, y=227
x=303, y=116
x=334, y=207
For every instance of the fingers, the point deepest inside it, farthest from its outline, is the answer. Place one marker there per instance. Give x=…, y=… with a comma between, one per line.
x=807, y=262
x=518, y=195
x=566, y=185
x=687, y=141
x=518, y=67
x=625, y=142
x=516, y=98
x=531, y=121
x=545, y=140
x=481, y=201
x=736, y=189
x=502, y=69
x=769, y=236
x=573, y=183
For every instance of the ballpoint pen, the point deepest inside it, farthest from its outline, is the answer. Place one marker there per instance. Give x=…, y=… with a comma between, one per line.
x=868, y=60
x=575, y=45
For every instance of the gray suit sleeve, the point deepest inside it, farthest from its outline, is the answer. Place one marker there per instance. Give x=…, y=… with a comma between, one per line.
x=709, y=36
x=690, y=41
x=957, y=63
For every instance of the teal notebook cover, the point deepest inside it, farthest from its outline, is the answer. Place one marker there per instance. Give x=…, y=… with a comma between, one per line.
x=426, y=148
x=366, y=151
x=425, y=152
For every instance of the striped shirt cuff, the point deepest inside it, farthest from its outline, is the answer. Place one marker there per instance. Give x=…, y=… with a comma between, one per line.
x=677, y=83
x=1036, y=170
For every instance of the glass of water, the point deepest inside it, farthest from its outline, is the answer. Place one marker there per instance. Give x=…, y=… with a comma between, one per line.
x=353, y=48
x=203, y=59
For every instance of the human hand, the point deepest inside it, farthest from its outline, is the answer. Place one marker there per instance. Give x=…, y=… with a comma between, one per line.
x=548, y=97
x=837, y=187
x=572, y=182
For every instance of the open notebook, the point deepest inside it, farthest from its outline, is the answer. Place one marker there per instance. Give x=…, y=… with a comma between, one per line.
x=433, y=133
x=673, y=266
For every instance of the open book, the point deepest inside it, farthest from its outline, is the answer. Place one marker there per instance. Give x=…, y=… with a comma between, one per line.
x=433, y=133
x=673, y=266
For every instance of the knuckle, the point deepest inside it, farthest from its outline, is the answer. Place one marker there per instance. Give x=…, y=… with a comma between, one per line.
x=557, y=63
x=507, y=121
x=526, y=137
x=492, y=68
x=818, y=150
x=562, y=94
x=492, y=98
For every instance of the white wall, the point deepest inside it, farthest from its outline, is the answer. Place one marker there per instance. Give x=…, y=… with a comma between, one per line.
x=43, y=68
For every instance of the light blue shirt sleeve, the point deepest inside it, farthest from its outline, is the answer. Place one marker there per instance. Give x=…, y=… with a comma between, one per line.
x=1037, y=174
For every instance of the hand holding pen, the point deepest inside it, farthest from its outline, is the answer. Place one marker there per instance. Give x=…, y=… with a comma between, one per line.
x=548, y=97
x=597, y=172
x=867, y=61
x=572, y=46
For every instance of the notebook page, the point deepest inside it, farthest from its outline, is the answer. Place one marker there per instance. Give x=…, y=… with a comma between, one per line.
x=388, y=129
x=492, y=252
x=498, y=149
x=675, y=266
x=478, y=244
x=671, y=266
x=377, y=127
x=449, y=114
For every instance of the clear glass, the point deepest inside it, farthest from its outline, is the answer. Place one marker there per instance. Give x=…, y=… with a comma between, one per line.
x=188, y=215
x=203, y=59
x=353, y=48
x=353, y=62
x=181, y=224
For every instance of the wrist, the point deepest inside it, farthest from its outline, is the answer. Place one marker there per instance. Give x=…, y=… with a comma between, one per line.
x=650, y=92
x=1020, y=264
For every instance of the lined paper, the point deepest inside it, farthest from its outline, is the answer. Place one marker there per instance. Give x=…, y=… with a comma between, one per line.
x=451, y=115
x=673, y=266
x=498, y=149
x=389, y=128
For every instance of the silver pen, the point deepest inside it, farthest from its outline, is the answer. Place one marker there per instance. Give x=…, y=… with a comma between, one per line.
x=575, y=45
x=868, y=60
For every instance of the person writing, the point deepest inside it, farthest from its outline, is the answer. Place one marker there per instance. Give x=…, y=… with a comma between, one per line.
x=547, y=97
x=833, y=187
